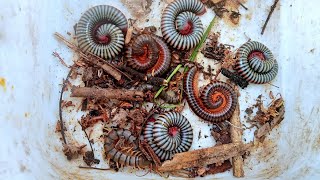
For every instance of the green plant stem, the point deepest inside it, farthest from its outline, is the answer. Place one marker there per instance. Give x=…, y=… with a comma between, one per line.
x=203, y=39
x=168, y=80
x=192, y=57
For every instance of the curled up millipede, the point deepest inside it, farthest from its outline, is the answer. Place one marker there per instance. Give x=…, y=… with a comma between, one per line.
x=144, y=97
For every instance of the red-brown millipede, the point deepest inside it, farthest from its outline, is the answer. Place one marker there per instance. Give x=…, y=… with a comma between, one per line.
x=217, y=102
x=149, y=53
x=143, y=52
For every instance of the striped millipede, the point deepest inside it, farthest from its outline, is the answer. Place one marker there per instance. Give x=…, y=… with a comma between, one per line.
x=149, y=53
x=170, y=133
x=131, y=157
x=217, y=102
x=101, y=31
x=256, y=63
x=180, y=25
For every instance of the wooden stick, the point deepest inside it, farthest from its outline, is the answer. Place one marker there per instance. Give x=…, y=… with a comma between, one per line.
x=91, y=58
x=236, y=137
x=267, y=127
x=219, y=169
x=203, y=157
x=144, y=77
x=108, y=93
x=269, y=15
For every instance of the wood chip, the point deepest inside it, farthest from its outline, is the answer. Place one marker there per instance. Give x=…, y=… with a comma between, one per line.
x=203, y=157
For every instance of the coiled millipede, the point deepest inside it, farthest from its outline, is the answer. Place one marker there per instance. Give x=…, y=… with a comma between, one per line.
x=256, y=63
x=180, y=25
x=101, y=31
x=124, y=157
x=149, y=53
x=217, y=102
x=170, y=133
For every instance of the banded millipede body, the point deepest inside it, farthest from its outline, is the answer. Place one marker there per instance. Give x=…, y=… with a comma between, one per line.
x=170, y=97
x=180, y=26
x=170, y=133
x=149, y=53
x=129, y=158
x=217, y=102
x=101, y=31
x=256, y=63
x=164, y=59
x=142, y=54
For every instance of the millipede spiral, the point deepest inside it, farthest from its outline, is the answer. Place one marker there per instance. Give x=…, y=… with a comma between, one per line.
x=132, y=158
x=101, y=31
x=170, y=133
x=149, y=53
x=217, y=101
x=180, y=25
x=256, y=63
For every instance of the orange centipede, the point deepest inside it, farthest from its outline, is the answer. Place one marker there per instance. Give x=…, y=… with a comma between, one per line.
x=217, y=101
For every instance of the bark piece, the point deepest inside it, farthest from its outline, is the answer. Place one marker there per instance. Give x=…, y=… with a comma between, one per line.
x=236, y=137
x=267, y=127
x=108, y=93
x=203, y=157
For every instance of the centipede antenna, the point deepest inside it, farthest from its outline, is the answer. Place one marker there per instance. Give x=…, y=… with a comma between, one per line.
x=95, y=168
x=273, y=85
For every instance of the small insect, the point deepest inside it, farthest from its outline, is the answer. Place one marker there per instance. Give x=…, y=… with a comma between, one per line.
x=101, y=31
x=217, y=102
x=256, y=63
x=124, y=156
x=149, y=53
x=170, y=133
x=180, y=25
x=235, y=78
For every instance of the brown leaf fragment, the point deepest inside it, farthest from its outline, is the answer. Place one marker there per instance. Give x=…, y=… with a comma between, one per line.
x=72, y=151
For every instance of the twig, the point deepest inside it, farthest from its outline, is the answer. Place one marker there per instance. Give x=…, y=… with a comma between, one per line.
x=92, y=58
x=84, y=130
x=88, y=167
x=64, y=84
x=242, y=5
x=55, y=54
x=269, y=15
x=137, y=75
x=107, y=93
x=236, y=137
